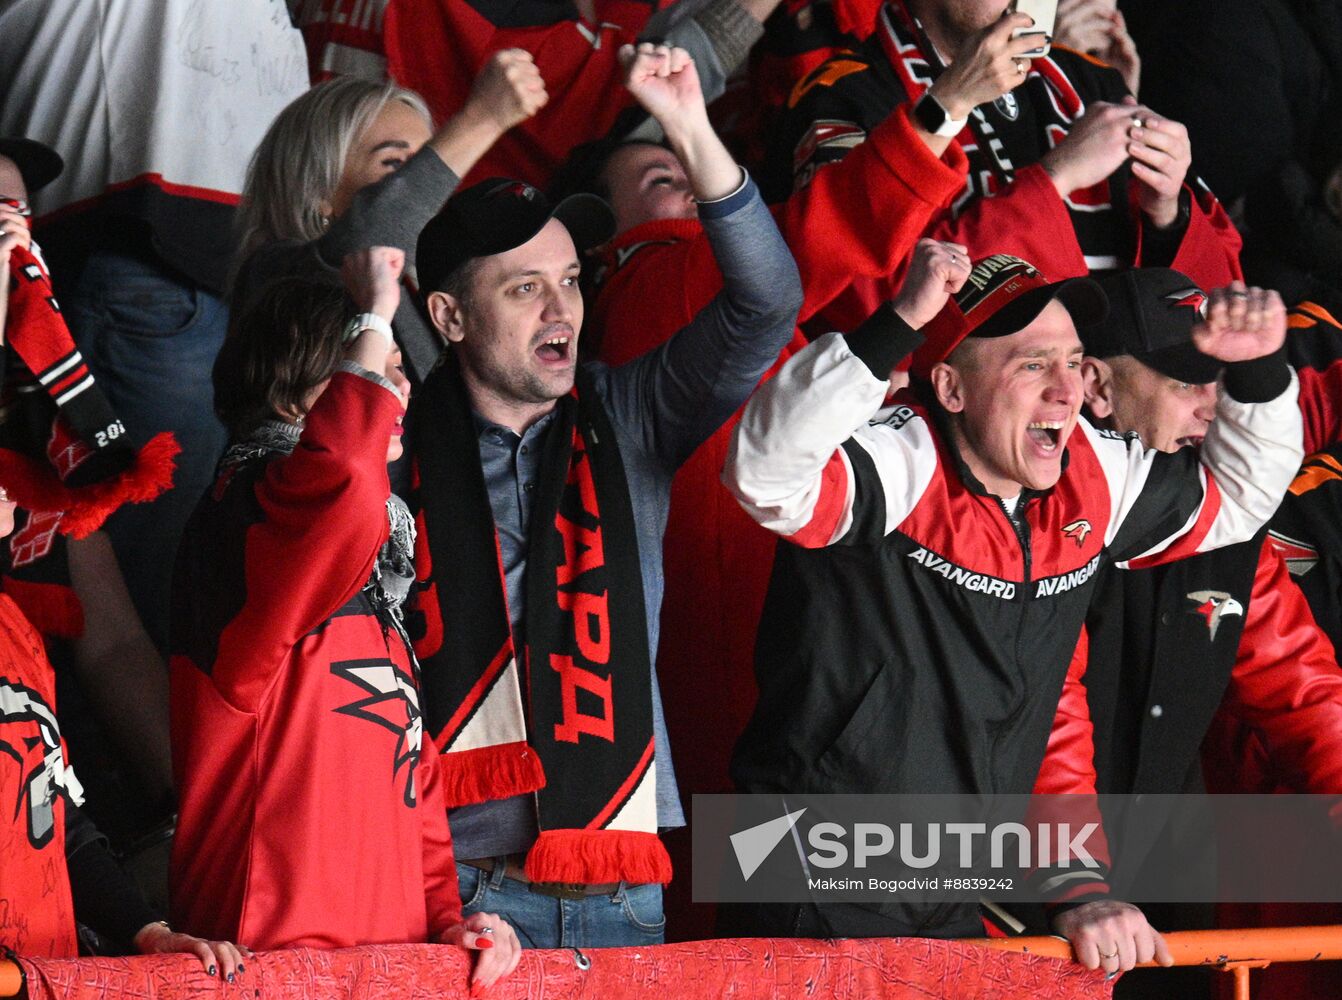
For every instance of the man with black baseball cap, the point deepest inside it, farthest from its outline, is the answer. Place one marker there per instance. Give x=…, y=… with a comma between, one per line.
x=944, y=550
x=1143, y=372
x=542, y=488
x=1165, y=647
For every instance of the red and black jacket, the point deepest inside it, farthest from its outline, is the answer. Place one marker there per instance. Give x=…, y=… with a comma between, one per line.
x=915, y=637
x=308, y=815
x=1166, y=648
x=35, y=784
x=1307, y=531
x=1228, y=630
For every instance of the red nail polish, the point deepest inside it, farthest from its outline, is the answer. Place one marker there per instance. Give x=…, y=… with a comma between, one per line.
x=484, y=942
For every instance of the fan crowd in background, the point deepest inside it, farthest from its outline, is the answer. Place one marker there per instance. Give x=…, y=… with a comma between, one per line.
x=438, y=437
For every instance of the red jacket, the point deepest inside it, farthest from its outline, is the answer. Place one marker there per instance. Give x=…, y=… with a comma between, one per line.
x=1285, y=687
x=308, y=816
x=38, y=916
x=437, y=46
x=717, y=560
x=834, y=109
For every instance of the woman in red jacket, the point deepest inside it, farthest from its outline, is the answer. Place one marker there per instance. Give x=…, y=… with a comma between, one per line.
x=308, y=816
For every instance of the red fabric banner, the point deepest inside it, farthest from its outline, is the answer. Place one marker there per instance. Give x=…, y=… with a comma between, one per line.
x=742, y=969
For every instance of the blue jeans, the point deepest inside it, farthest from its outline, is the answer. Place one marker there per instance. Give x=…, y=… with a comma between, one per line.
x=150, y=339
x=631, y=916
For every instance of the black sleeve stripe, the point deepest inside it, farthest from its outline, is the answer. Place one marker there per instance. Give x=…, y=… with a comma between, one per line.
x=1173, y=492
x=868, y=498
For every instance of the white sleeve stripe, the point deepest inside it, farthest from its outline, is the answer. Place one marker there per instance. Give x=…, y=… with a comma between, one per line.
x=906, y=458
x=791, y=429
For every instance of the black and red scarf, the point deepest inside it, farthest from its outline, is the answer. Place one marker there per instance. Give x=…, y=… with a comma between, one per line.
x=71, y=454
x=570, y=718
x=995, y=155
x=65, y=458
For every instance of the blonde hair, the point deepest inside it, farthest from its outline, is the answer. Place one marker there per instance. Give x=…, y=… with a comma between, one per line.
x=301, y=158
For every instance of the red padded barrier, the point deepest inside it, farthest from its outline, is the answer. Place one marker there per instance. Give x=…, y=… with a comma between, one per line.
x=741, y=969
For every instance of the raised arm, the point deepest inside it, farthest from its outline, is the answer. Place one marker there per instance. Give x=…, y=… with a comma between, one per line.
x=1169, y=506
x=678, y=394
x=804, y=461
x=861, y=217
x=322, y=508
x=391, y=212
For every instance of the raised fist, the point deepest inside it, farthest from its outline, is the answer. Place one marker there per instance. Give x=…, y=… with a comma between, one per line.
x=508, y=89
x=664, y=81
x=1242, y=323
x=937, y=272
x=373, y=279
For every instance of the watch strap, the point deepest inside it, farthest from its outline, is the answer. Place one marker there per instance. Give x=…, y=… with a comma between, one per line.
x=932, y=116
x=368, y=321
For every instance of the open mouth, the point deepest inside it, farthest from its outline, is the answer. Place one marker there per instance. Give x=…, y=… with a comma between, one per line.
x=1046, y=434
x=555, y=350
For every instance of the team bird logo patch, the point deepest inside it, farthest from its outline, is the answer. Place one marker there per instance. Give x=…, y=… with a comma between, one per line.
x=1214, y=605
x=1189, y=298
x=1078, y=531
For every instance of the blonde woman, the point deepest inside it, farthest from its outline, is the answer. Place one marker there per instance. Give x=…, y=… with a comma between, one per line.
x=353, y=164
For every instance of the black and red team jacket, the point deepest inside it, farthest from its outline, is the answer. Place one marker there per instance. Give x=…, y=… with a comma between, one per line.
x=308, y=816
x=1224, y=636
x=914, y=638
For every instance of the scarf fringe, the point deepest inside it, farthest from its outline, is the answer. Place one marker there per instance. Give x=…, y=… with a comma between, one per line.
x=34, y=486
x=593, y=857
x=492, y=772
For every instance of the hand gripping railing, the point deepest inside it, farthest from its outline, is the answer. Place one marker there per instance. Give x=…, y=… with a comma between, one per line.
x=1233, y=951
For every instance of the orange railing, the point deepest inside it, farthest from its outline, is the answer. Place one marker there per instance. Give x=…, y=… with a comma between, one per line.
x=1233, y=951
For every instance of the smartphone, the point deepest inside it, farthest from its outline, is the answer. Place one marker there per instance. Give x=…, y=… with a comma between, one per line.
x=1044, y=12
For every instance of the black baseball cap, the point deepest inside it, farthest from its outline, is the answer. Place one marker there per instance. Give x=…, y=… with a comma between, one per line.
x=1151, y=317
x=39, y=165
x=1003, y=295
x=497, y=215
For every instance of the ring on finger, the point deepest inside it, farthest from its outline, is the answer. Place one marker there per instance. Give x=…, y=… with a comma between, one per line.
x=486, y=930
x=1105, y=956
x=1238, y=293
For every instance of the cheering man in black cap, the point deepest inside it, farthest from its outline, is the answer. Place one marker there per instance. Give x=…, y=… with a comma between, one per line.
x=917, y=631
x=542, y=488
x=1164, y=647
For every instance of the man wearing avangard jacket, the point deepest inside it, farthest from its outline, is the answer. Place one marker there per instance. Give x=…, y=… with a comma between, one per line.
x=1164, y=647
x=973, y=514
x=860, y=217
